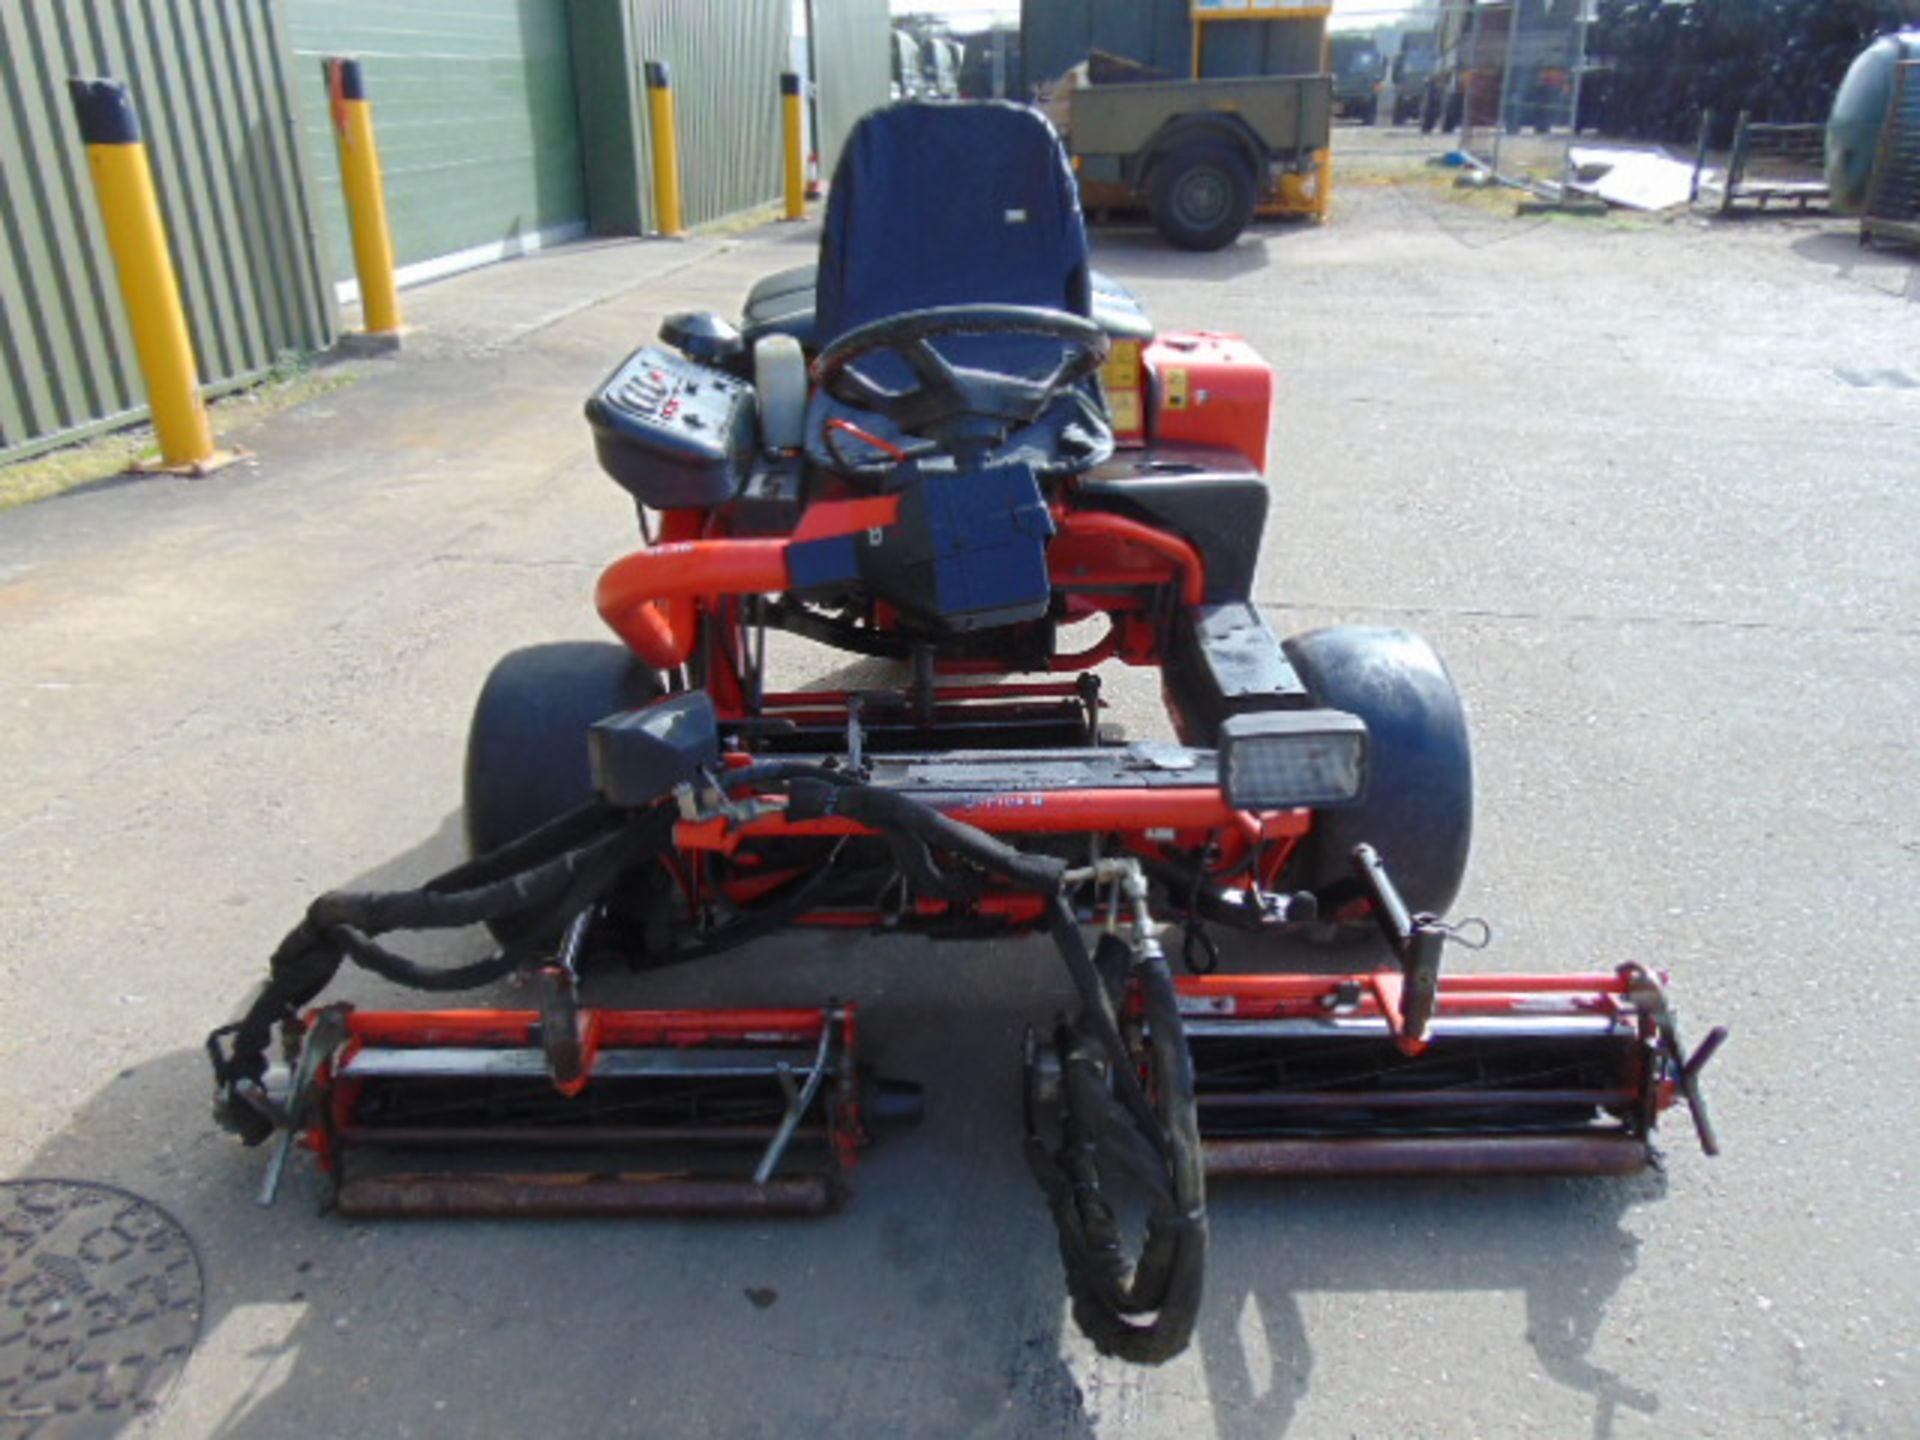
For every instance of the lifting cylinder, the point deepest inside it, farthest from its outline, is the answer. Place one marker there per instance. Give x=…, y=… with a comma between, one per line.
x=796, y=146
x=366, y=198
x=137, y=239
x=666, y=149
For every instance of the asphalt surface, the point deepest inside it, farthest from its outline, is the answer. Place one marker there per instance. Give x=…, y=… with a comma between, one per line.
x=1626, y=477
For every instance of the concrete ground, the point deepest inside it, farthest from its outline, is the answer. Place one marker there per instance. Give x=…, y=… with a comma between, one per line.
x=1650, y=488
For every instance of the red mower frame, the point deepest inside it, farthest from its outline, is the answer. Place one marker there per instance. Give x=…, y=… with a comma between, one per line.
x=656, y=803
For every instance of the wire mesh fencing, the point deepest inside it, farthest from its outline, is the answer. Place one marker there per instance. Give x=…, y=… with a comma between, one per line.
x=1525, y=65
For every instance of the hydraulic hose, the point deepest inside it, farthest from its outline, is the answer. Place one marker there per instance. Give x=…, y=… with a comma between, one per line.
x=558, y=867
x=434, y=908
x=822, y=886
x=1098, y=1142
x=887, y=810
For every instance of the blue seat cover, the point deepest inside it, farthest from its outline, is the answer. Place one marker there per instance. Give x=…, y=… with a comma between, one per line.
x=950, y=204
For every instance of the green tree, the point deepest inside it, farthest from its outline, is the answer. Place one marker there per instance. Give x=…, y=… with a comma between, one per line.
x=1661, y=66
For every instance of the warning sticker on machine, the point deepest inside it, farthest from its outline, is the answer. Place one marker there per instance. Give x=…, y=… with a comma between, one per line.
x=1173, y=388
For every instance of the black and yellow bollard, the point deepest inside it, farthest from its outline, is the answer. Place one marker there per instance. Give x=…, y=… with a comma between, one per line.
x=366, y=198
x=666, y=150
x=792, y=117
x=137, y=239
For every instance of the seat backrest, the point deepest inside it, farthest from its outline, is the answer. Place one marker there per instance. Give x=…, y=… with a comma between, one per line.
x=950, y=204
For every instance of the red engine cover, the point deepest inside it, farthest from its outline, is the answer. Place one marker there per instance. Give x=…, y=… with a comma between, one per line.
x=1210, y=389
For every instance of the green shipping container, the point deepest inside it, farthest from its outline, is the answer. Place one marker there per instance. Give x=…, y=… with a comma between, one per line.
x=1056, y=35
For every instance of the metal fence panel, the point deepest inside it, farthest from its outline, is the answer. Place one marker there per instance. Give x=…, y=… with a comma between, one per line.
x=850, y=46
x=208, y=79
x=1523, y=87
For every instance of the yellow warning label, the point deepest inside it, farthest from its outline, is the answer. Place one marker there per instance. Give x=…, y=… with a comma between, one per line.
x=1173, y=388
x=1120, y=384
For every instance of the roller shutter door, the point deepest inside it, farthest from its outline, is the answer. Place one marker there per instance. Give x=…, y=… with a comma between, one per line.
x=473, y=102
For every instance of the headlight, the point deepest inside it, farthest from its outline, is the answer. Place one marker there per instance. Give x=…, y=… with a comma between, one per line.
x=637, y=756
x=1287, y=758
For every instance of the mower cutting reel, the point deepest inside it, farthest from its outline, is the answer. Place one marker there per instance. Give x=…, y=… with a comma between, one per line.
x=622, y=1112
x=729, y=1086
x=1515, y=1075
x=956, y=494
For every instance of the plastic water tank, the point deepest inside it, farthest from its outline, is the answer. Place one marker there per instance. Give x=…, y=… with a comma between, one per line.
x=1859, y=108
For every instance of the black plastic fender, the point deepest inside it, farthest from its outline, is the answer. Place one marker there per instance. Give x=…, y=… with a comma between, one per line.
x=527, y=743
x=1217, y=126
x=1418, y=807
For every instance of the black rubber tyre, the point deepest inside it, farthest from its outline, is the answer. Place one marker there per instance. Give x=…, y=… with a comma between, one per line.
x=1418, y=809
x=1201, y=196
x=527, y=745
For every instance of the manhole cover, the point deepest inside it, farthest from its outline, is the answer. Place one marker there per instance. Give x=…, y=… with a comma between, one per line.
x=100, y=1298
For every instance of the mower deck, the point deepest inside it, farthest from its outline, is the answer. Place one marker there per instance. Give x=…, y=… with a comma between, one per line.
x=608, y=1112
x=1518, y=1075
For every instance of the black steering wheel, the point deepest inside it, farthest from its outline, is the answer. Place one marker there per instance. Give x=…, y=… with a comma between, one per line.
x=959, y=408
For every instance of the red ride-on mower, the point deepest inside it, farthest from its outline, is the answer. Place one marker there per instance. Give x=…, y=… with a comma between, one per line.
x=946, y=445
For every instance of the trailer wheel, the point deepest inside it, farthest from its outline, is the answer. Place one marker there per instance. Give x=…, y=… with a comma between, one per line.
x=527, y=744
x=1201, y=196
x=1418, y=808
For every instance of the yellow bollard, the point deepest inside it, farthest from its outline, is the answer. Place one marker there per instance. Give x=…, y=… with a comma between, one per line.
x=137, y=239
x=366, y=197
x=796, y=146
x=666, y=149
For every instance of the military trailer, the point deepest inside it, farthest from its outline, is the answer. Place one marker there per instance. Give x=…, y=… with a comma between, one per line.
x=1202, y=154
x=1202, y=112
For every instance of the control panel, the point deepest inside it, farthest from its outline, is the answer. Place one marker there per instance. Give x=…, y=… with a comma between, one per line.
x=674, y=433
